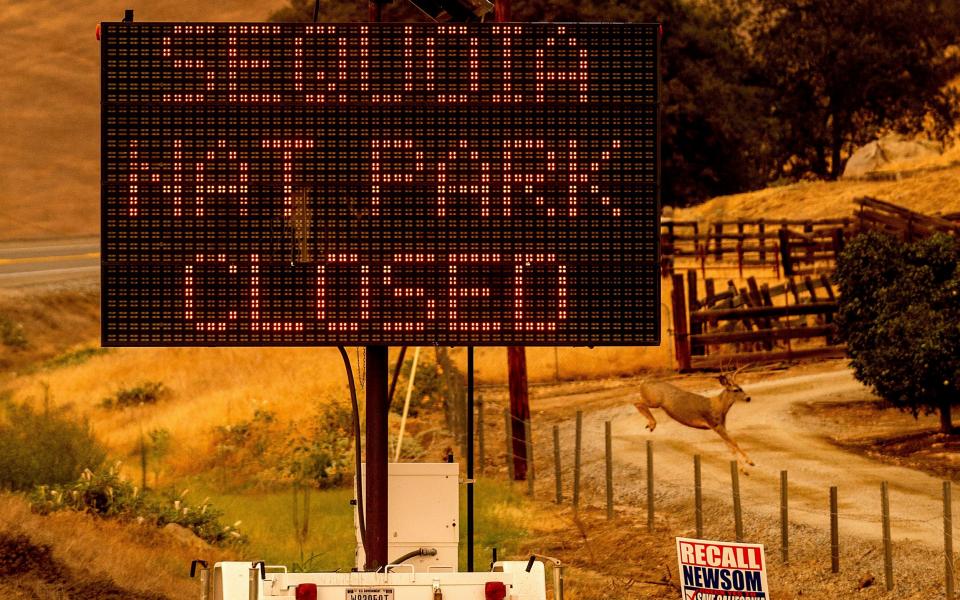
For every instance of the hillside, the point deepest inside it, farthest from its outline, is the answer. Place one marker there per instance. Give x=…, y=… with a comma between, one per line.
x=50, y=101
x=929, y=187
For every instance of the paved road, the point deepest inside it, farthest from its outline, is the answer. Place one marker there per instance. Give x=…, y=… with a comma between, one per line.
x=49, y=261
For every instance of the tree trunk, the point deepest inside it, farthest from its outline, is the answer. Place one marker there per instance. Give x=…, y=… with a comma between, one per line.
x=835, y=147
x=946, y=423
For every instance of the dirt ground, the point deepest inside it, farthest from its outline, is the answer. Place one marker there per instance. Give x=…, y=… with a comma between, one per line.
x=780, y=431
x=884, y=433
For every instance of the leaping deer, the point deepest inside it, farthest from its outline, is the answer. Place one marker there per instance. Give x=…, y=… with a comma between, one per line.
x=694, y=410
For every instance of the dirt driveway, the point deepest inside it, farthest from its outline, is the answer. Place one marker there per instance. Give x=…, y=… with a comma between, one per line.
x=775, y=437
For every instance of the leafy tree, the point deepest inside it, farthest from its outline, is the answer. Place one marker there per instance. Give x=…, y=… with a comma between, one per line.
x=845, y=70
x=714, y=133
x=900, y=317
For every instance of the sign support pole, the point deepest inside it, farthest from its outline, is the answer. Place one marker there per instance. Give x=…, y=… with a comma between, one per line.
x=377, y=459
x=469, y=459
x=378, y=409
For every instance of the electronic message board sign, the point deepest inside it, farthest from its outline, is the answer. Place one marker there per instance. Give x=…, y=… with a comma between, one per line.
x=381, y=183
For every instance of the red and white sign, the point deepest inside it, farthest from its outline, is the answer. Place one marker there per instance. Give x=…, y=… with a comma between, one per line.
x=712, y=570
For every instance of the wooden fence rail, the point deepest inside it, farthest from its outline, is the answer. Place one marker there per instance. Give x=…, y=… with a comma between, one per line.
x=761, y=323
x=795, y=246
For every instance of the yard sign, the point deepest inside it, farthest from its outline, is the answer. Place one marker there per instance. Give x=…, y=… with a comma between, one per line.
x=721, y=570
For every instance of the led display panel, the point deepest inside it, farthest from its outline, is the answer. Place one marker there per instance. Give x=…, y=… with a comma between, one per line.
x=394, y=183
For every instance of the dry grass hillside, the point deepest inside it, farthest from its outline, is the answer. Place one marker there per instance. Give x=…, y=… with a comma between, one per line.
x=208, y=387
x=929, y=186
x=50, y=102
x=73, y=555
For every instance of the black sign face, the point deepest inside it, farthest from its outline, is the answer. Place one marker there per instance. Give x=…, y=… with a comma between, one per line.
x=319, y=184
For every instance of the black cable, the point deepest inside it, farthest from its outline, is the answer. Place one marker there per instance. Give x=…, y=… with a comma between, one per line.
x=356, y=442
x=396, y=375
x=316, y=10
x=414, y=554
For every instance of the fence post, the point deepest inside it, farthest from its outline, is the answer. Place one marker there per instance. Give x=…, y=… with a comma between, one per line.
x=762, y=231
x=680, y=338
x=737, y=511
x=693, y=303
x=887, y=544
x=834, y=532
x=576, y=462
x=948, y=538
x=783, y=235
x=784, y=520
x=698, y=495
x=480, y=439
x=556, y=463
x=528, y=428
x=608, y=435
x=649, y=485
x=718, y=242
x=507, y=432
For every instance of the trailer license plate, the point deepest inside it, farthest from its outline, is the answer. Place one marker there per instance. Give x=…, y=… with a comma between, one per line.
x=370, y=594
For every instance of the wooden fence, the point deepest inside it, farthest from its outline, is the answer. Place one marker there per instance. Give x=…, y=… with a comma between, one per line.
x=759, y=323
x=877, y=215
x=793, y=246
x=789, y=246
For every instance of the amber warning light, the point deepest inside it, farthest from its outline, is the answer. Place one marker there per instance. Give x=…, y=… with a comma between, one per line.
x=320, y=184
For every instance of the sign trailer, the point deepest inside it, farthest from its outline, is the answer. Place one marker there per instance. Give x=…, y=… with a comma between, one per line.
x=270, y=184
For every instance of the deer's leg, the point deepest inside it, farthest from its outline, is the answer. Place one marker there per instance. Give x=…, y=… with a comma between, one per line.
x=722, y=432
x=651, y=422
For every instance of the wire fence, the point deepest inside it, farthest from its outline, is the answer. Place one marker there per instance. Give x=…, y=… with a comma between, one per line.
x=933, y=524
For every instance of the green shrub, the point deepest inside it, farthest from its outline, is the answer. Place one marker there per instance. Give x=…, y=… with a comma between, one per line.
x=74, y=357
x=48, y=447
x=320, y=451
x=899, y=315
x=104, y=493
x=12, y=334
x=147, y=392
x=428, y=387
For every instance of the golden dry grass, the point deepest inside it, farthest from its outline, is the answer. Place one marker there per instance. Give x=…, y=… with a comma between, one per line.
x=932, y=191
x=136, y=558
x=217, y=386
x=50, y=101
x=52, y=320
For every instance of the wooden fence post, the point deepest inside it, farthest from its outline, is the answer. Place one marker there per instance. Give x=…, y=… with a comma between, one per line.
x=557, y=473
x=528, y=429
x=737, y=510
x=693, y=304
x=718, y=242
x=948, y=538
x=783, y=235
x=887, y=542
x=649, y=485
x=834, y=532
x=762, y=231
x=784, y=520
x=508, y=434
x=680, y=338
x=576, y=462
x=608, y=435
x=698, y=495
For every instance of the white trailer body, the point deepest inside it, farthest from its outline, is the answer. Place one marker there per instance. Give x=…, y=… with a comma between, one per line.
x=423, y=511
x=240, y=581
